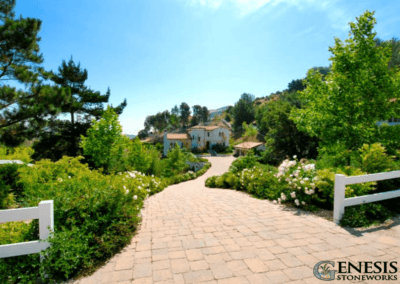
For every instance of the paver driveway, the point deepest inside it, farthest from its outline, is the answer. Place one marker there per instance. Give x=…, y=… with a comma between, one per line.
x=193, y=234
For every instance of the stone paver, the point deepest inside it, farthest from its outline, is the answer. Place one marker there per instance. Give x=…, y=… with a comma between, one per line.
x=194, y=234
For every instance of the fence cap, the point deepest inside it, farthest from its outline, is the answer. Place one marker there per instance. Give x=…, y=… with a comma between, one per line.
x=47, y=202
x=2, y=162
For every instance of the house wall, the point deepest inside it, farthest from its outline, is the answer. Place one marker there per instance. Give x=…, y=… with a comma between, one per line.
x=197, y=133
x=167, y=143
x=215, y=138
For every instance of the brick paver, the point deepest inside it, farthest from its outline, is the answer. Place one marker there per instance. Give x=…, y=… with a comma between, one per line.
x=194, y=234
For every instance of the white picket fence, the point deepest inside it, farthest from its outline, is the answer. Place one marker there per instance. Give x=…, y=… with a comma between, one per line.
x=340, y=202
x=44, y=212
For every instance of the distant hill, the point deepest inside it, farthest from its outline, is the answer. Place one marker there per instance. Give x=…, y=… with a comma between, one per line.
x=131, y=136
x=218, y=111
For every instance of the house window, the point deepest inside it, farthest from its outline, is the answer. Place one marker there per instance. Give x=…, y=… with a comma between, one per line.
x=394, y=119
x=199, y=139
x=220, y=134
x=192, y=137
x=208, y=134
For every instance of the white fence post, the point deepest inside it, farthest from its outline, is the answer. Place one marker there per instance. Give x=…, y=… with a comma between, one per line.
x=340, y=183
x=46, y=219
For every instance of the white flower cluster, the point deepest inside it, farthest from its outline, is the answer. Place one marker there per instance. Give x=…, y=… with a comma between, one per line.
x=309, y=167
x=299, y=179
x=134, y=174
x=284, y=167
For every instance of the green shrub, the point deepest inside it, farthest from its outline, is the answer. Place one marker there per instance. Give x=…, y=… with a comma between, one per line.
x=210, y=182
x=365, y=215
x=373, y=159
x=246, y=162
x=175, y=163
x=335, y=156
x=21, y=153
x=9, y=187
x=325, y=182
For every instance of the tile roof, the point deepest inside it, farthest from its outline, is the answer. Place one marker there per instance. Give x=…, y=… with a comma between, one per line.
x=248, y=145
x=208, y=128
x=177, y=136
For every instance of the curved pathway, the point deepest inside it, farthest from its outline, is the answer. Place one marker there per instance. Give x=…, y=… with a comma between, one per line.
x=194, y=234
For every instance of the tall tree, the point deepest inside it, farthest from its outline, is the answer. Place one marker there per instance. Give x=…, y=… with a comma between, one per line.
x=357, y=92
x=244, y=111
x=23, y=113
x=196, y=115
x=83, y=101
x=175, y=110
x=185, y=113
x=161, y=120
x=204, y=114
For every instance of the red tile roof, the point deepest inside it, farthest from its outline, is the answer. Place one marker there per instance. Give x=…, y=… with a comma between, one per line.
x=177, y=136
x=248, y=145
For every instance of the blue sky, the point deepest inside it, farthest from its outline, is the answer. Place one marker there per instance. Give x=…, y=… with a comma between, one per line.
x=159, y=53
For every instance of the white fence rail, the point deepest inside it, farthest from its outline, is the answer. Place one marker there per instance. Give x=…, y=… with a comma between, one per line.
x=44, y=212
x=340, y=202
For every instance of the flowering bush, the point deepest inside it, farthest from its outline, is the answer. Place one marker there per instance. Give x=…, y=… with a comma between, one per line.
x=299, y=182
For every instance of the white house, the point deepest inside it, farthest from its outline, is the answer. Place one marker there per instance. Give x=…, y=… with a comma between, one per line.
x=198, y=137
x=207, y=136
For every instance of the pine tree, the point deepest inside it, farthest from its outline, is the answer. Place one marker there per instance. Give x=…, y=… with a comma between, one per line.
x=23, y=113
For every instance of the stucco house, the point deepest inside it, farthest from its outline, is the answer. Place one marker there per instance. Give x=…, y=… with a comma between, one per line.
x=242, y=148
x=198, y=137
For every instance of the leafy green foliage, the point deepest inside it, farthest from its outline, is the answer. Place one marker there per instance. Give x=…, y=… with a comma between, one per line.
x=21, y=153
x=365, y=215
x=356, y=94
x=175, y=163
x=250, y=130
x=374, y=159
x=281, y=134
x=105, y=142
x=246, y=162
x=9, y=187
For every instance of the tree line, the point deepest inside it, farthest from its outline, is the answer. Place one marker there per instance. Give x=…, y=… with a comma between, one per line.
x=178, y=117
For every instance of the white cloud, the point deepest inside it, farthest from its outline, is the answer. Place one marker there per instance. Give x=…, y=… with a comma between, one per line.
x=338, y=17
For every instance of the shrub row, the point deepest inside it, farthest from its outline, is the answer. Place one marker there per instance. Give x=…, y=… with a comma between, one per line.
x=302, y=184
x=189, y=175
